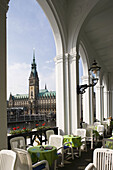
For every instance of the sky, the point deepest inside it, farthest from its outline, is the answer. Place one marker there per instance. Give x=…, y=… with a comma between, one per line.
x=28, y=28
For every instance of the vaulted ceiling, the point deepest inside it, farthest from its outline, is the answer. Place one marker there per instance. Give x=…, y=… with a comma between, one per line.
x=98, y=29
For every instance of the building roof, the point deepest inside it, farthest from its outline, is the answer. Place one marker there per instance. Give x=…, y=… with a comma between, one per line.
x=45, y=93
x=42, y=93
x=21, y=96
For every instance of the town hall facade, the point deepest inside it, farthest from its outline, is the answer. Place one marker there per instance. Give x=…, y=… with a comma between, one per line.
x=37, y=101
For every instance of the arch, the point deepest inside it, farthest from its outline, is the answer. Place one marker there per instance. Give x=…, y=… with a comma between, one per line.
x=85, y=11
x=52, y=16
x=84, y=57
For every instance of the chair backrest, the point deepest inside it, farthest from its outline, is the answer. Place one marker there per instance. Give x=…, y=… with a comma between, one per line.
x=84, y=125
x=81, y=132
x=89, y=132
x=23, y=161
x=18, y=142
x=103, y=159
x=57, y=141
x=100, y=128
x=49, y=133
x=97, y=123
x=7, y=160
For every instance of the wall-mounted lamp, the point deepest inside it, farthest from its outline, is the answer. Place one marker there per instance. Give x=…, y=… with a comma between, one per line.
x=94, y=71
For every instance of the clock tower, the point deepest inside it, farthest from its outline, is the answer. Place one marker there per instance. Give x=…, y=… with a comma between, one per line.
x=33, y=87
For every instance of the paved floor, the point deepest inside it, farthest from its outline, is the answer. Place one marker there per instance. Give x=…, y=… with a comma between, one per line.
x=81, y=162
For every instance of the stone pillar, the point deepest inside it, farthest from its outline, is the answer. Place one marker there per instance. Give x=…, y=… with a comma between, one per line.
x=74, y=97
x=67, y=94
x=3, y=64
x=60, y=114
x=105, y=104
x=99, y=103
x=91, y=103
x=86, y=102
x=108, y=98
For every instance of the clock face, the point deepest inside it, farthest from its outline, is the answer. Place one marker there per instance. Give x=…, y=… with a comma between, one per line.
x=31, y=92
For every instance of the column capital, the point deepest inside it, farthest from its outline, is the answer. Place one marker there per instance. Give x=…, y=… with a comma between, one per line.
x=74, y=56
x=4, y=5
x=58, y=58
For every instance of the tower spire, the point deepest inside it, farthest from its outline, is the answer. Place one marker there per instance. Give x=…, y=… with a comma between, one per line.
x=33, y=55
x=45, y=87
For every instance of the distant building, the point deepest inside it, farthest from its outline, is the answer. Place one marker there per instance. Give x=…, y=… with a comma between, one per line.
x=37, y=101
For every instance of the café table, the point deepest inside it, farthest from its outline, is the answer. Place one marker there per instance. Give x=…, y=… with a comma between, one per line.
x=48, y=153
x=108, y=143
x=75, y=141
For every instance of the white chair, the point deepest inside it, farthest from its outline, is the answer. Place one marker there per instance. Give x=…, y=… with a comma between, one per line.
x=100, y=130
x=97, y=123
x=105, y=126
x=23, y=161
x=102, y=160
x=57, y=141
x=18, y=142
x=84, y=125
x=7, y=160
x=49, y=133
x=82, y=133
x=90, y=136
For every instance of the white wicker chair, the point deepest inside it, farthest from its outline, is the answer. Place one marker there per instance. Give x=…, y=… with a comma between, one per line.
x=100, y=130
x=84, y=125
x=7, y=160
x=18, y=142
x=23, y=161
x=97, y=123
x=90, y=136
x=82, y=133
x=49, y=133
x=57, y=141
x=102, y=160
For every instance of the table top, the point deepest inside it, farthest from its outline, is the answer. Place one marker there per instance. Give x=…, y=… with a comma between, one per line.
x=71, y=136
x=109, y=143
x=48, y=153
x=75, y=140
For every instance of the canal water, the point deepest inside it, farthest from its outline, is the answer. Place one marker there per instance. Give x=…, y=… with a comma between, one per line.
x=30, y=125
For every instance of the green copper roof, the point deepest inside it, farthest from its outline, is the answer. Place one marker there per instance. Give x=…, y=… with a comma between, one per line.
x=21, y=96
x=42, y=93
x=45, y=93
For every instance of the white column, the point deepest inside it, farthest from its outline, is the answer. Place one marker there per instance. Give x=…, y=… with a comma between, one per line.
x=60, y=116
x=99, y=103
x=86, y=102
x=66, y=94
x=102, y=103
x=108, y=98
x=105, y=104
x=74, y=98
x=92, y=105
x=3, y=106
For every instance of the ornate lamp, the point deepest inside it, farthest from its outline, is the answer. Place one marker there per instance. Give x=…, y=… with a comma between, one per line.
x=94, y=71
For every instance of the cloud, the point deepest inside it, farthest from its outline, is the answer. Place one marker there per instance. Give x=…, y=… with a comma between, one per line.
x=49, y=80
x=49, y=61
x=18, y=75
x=17, y=78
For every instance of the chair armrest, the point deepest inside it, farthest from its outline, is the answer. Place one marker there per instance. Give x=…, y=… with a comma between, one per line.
x=68, y=143
x=90, y=166
x=40, y=163
x=60, y=148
